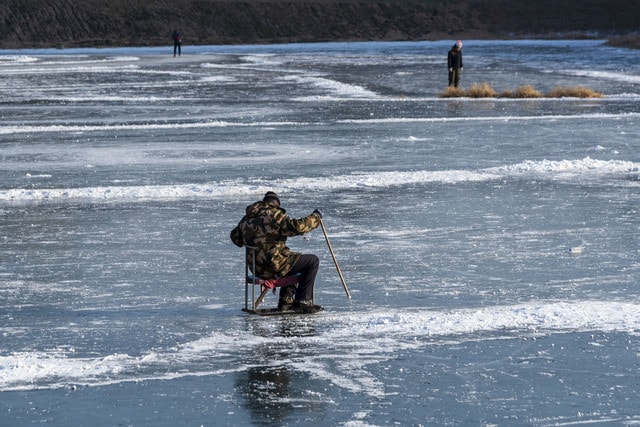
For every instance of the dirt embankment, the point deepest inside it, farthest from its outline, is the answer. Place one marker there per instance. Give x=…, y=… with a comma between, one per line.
x=99, y=23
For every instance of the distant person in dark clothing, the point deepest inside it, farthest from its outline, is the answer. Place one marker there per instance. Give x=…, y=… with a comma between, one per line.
x=177, y=43
x=454, y=62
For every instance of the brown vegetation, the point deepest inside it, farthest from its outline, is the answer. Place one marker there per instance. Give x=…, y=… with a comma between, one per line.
x=480, y=90
x=485, y=90
x=453, y=92
x=574, y=92
x=525, y=91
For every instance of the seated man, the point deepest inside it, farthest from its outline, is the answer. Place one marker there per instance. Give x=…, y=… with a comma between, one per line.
x=266, y=227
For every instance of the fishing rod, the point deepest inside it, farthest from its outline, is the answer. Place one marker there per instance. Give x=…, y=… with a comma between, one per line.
x=335, y=261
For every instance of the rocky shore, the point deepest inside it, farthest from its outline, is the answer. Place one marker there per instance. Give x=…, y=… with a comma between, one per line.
x=101, y=23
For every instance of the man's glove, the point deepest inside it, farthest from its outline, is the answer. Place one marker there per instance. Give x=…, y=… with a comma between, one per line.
x=318, y=212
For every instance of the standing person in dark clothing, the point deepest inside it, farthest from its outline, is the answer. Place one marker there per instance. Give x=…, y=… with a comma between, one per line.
x=177, y=43
x=266, y=227
x=454, y=62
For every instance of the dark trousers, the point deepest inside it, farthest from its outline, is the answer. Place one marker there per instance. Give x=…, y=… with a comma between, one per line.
x=454, y=77
x=177, y=46
x=307, y=266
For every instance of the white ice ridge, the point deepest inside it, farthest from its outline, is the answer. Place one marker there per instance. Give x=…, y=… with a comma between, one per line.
x=544, y=169
x=586, y=165
x=493, y=118
x=9, y=130
x=350, y=343
x=81, y=128
x=606, y=75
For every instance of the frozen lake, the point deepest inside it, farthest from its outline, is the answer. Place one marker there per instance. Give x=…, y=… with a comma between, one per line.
x=491, y=246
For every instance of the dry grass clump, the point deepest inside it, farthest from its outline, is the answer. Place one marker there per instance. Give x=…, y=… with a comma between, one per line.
x=453, y=92
x=484, y=90
x=481, y=90
x=527, y=91
x=574, y=92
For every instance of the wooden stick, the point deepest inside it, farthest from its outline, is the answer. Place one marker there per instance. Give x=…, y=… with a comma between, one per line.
x=260, y=298
x=335, y=261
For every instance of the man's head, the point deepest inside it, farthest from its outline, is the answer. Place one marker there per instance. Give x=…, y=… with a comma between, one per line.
x=271, y=196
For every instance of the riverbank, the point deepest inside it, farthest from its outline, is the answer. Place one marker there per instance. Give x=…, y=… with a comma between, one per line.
x=96, y=23
x=631, y=41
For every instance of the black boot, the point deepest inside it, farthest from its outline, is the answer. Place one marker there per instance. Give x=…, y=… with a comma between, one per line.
x=285, y=303
x=306, y=306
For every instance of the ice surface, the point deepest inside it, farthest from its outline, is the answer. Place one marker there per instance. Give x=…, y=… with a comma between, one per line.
x=352, y=341
x=490, y=246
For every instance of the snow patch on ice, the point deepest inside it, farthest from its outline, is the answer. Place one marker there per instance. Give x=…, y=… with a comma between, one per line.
x=16, y=59
x=333, y=87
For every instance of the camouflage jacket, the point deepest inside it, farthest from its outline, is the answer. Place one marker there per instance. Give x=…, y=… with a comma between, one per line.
x=266, y=227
